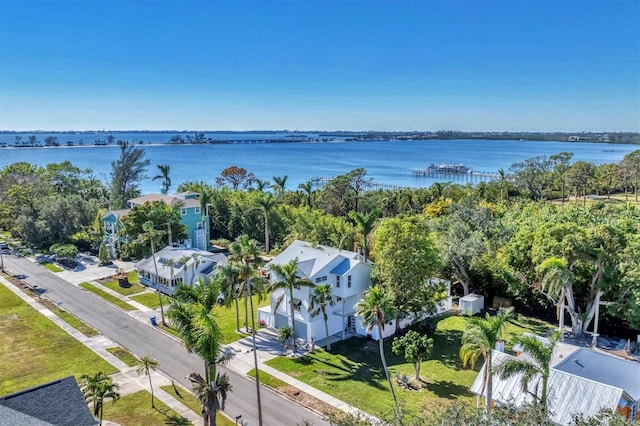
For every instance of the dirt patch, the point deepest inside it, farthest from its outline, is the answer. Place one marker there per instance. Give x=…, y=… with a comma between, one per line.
x=306, y=399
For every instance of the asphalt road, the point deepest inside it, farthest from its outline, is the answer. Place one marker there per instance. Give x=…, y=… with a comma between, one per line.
x=143, y=340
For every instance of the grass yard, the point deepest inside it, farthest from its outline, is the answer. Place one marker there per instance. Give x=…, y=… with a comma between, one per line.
x=75, y=322
x=135, y=288
x=353, y=373
x=267, y=379
x=135, y=410
x=192, y=402
x=50, y=266
x=227, y=319
x=123, y=355
x=33, y=350
x=106, y=296
x=151, y=300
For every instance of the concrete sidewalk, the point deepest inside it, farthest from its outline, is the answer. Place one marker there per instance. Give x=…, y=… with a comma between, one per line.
x=127, y=378
x=242, y=360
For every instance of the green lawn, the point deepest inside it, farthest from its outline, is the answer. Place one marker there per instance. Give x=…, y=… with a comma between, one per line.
x=192, y=402
x=267, y=379
x=123, y=355
x=135, y=288
x=354, y=374
x=135, y=410
x=76, y=323
x=50, y=266
x=151, y=300
x=107, y=296
x=227, y=319
x=33, y=350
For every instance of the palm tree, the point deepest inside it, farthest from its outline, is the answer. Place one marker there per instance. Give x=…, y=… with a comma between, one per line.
x=365, y=224
x=557, y=282
x=96, y=388
x=146, y=365
x=261, y=184
x=289, y=280
x=245, y=255
x=192, y=311
x=536, y=363
x=376, y=309
x=279, y=184
x=266, y=203
x=285, y=333
x=307, y=188
x=170, y=263
x=502, y=177
x=479, y=339
x=229, y=278
x=320, y=297
x=164, y=175
x=151, y=233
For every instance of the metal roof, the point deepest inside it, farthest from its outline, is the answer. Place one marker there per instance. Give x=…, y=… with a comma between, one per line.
x=568, y=394
x=604, y=368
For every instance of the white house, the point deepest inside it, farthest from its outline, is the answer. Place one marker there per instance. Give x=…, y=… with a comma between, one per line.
x=349, y=275
x=581, y=381
x=189, y=264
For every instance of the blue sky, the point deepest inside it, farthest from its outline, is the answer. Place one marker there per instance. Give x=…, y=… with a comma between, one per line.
x=519, y=65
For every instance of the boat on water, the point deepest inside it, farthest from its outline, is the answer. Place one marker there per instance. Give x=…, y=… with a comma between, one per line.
x=454, y=169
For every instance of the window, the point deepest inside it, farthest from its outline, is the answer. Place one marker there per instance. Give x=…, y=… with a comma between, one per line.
x=199, y=225
x=338, y=281
x=349, y=281
x=183, y=211
x=198, y=210
x=321, y=279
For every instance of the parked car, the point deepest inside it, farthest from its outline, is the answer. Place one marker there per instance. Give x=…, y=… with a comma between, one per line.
x=4, y=248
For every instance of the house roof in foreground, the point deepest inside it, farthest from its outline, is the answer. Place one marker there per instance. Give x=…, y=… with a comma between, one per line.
x=176, y=254
x=604, y=368
x=57, y=403
x=568, y=394
x=312, y=258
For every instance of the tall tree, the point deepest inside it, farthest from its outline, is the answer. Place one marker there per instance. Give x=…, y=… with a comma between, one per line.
x=192, y=312
x=96, y=388
x=532, y=175
x=266, y=204
x=230, y=285
x=146, y=365
x=152, y=234
x=478, y=340
x=245, y=255
x=320, y=298
x=279, y=185
x=631, y=165
x=560, y=163
x=365, y=224
x=405, y=258
x=581, y=175
x=287, y=275
x=236, y=177
x=375, y=309
x=126, y=172
x=307, y=188
x=536, y=363
x=163, y=174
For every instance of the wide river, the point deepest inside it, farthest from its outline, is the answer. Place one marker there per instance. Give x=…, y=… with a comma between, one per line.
x=387, y=162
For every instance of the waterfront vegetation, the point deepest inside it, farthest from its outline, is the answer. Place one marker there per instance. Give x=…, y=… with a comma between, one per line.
x=106, y=296
x=546, y=229
x=33, y=350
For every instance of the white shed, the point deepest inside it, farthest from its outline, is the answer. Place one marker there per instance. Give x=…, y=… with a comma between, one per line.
x=471, y=304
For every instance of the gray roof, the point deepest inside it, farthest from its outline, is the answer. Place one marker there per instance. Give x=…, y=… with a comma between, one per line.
x=11, y=417
x=58, y=403
x=176, y=254
x=312, y=258
x=604, y=368
x=568, y=394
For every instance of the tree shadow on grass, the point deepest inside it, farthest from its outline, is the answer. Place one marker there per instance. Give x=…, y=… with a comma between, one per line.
x=537, y=327
x=446, y=347
x=448, y=389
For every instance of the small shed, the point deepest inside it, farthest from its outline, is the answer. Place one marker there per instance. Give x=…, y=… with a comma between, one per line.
x=471, y=304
